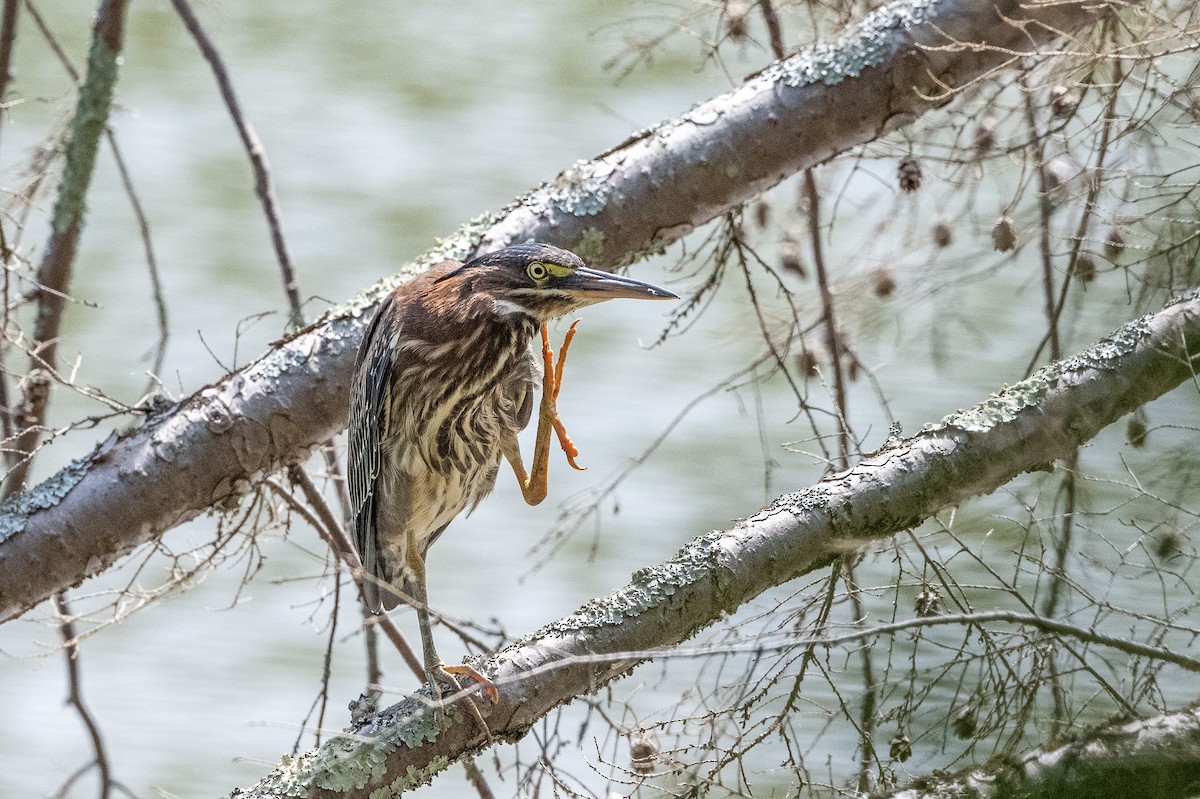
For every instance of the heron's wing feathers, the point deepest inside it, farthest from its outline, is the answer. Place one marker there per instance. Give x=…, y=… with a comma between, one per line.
x=520, y=387
x=369, y=425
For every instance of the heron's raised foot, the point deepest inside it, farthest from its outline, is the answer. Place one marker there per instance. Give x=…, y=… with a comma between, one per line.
x=534, y=483
x=552, y=374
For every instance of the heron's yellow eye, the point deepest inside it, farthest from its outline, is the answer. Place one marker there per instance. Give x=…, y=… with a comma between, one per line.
x=538, y=271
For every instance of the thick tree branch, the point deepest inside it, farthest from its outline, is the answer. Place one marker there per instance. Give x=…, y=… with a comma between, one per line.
x=1021, y=428
x=639, y=196
x=1157, y=757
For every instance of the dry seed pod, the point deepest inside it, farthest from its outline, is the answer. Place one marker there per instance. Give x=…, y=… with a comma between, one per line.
x=762, y=212
x=1135, y=430
x=789, y=255
x=928, y=602
x=900, y=747
x=1058, y=172
x=643, y=754
x=1168, y=544
x=807, y=362
x=985, y=136
x=1062, y=101
x=1085, y=268
x=1114, y=245
x=908, y=174
x=1004, y=234
x=965, y=723
x=943, y=235
x=736, y=20
x=883, y=281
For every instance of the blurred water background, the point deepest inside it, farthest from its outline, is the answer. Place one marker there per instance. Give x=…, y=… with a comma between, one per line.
x=388, y=124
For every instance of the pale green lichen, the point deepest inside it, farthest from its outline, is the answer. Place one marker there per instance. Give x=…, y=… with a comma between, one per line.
x=357, y=760
x=458, y=245
x=1004, y=405
x=866, y=45
x=590, y=246
x=648, y=588
x=581, y=190
x=412, y=778
x=91, y=116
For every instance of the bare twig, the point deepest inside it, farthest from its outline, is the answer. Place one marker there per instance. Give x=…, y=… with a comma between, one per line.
x=263, y=185
x=8, y=36
x=66, y=630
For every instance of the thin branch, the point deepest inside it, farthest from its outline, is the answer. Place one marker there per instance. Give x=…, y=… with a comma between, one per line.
x=264, y=187
x=8, y=36
x=54, y=273
x=318, y=515
x=66, y=630
x=160, y=303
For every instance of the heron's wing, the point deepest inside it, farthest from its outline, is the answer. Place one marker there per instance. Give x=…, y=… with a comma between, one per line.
x=520, y=387
x=515, y=408
x=369, y=425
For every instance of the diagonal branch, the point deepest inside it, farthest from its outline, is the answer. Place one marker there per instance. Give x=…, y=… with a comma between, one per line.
x=1021, y=428
x=54, y=272
x=1152, y=757
x=632, y=200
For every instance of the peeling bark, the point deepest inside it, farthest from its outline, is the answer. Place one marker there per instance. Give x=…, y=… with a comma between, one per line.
x=634, y=199
x=1021, y=428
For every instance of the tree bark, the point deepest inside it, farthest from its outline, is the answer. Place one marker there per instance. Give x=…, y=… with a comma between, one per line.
x=634, y=199
x=1157, y=758
x=1021, y=428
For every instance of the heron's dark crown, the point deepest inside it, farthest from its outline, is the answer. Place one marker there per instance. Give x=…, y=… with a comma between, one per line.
x=523, y=279
x=518, y=257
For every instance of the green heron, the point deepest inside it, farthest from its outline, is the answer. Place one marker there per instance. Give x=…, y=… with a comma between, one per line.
x=443, y=384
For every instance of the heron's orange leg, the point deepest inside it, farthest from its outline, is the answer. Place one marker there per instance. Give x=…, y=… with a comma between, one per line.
x=533, y=485
x=568, y=446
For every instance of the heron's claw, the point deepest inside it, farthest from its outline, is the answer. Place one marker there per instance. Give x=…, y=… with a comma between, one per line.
x=451, y=673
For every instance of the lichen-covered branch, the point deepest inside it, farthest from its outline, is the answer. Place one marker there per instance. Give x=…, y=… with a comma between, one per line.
x=1157, y=757
x=54, y=272
x=642, y=194
x=1023, y=427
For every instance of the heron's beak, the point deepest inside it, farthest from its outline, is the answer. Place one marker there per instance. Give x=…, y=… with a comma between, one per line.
x=592, y=285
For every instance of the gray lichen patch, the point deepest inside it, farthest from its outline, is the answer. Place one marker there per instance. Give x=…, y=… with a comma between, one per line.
x=649, y=588
x=581, y=190
x=354, y=761
x=1004, y=405
x=17, y=508
x=410, y=723
x=1104, y=353
x=866, y=45
x=458, y=246
x=412, y=778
